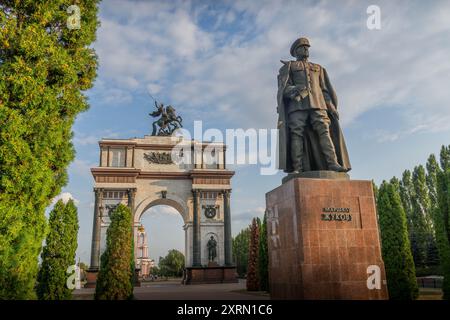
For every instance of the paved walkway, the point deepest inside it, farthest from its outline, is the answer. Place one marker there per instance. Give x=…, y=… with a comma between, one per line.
x=173, y=290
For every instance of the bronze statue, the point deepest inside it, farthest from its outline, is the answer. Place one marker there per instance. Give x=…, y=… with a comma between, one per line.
x=212, y=251
x=168, y=121
x=310, y=137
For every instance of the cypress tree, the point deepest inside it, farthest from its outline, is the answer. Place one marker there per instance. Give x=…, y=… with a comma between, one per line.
x=263, y=257
x=58, y=253
x=44, y=68
x=406, y=193
x=114, y=281
x=421, y=218
x=441, y=218
x=431, y=179
x=400, y=270
x=241, y=244
x=252, y=269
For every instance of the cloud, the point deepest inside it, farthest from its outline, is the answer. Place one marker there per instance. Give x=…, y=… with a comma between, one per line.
x=248, y=215
x=226, y=70
x=162, y=210
x=65, y=197
x=81, y=168
x=84, y=140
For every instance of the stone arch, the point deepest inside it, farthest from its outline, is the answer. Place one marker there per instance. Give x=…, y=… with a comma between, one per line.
x=171, y=200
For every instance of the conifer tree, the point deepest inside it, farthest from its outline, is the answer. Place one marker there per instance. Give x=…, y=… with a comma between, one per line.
x=441, y=218
x=44, y=66
x=114, y=281
x=58, y=253
x=252, y=269
x=421, y=218
x=399, y=264
x=406, y=194
x=432, y=184
x=263, y=257
x=241, y=244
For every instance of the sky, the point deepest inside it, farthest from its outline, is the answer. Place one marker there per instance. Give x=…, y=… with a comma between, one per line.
x=217, y=61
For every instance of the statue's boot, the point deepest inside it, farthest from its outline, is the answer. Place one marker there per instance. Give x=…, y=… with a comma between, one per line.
x=329, y=151
x=297, y=153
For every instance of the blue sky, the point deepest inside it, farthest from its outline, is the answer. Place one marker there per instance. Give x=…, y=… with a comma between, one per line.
x=217, y=61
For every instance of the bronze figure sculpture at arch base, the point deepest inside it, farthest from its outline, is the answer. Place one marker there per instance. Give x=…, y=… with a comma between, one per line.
x=323, y=236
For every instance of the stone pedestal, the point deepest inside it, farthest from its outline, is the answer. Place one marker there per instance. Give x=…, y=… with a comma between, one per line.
x=323, y=240
x=214, y=274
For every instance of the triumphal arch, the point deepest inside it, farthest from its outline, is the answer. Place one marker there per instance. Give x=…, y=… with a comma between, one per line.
x=143, y=172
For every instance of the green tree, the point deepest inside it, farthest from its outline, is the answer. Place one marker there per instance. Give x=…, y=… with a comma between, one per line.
x=59, y=252
x=263, y=257
x=240, y=251
x=114, y=281
x=252, y=269
x=432, y=185
x=441, y=218
x=44, y=69
x=400, y=270
x=421, y=218
x=172, y=264
x=406, y=189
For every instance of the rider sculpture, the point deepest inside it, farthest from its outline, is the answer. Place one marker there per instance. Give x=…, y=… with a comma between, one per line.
x=168, y=121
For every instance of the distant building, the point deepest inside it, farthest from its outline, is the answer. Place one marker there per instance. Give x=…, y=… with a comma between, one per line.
x=143, y=262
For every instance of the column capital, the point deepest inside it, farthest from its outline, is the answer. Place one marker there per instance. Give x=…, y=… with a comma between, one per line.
x=196, y=192
x=131, y=191
x=226, y=192
x=98, y=190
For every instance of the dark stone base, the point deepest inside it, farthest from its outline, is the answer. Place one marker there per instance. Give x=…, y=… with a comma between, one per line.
x=204, y=275
x=91, y=277
x=321, y=174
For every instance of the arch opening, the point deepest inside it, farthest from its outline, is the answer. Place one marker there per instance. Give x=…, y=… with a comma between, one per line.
x=162, y=226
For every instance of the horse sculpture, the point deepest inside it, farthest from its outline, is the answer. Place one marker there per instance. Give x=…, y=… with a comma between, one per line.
x=168, y=121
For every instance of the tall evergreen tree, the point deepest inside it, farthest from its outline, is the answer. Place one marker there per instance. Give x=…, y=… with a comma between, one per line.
x=114, y=281
x=241, y=244
x=58, y=253
x=45, y=66
x=421, y=218
x=441, y=218
x=252, y=274
x=432, y=184
x=406, y=194
x=263, y=257
x=445, y=157
x=400, y=270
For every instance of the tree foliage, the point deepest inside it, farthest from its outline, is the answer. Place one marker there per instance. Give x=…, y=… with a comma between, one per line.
x=263, y=257
x=252, y=269
x=172, y=264
x=421, y=217
x=115, y=278
x=441, y=218
x=44, y=68
x=241, y=244
x=58, y=253
x=400, y=270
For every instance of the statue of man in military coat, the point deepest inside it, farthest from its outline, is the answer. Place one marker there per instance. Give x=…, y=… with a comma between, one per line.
x=310, y=137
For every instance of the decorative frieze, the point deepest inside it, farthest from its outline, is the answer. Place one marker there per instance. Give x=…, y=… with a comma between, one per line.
x=158, y=157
